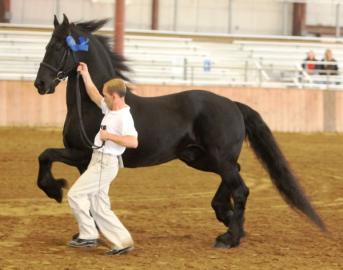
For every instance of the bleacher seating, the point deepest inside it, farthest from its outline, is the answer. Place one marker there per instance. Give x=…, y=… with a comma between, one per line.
x=282, y=60
x=171, y=60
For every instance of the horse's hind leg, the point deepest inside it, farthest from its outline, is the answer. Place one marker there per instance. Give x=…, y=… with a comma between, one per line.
x=229, y=205
x=240, y=197
x=231, y=196
x=222, y=205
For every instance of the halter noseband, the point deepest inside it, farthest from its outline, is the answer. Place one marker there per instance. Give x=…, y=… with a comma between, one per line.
x=61, y=74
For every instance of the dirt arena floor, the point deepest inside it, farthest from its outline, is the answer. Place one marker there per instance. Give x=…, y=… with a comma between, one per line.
x=167, y=209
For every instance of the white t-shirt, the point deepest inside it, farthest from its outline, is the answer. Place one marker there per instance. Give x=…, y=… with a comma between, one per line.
x=118, y=122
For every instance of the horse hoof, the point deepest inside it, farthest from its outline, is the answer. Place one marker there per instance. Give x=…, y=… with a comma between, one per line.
x=56, y=191
x=225, y=240
x=57, y=195
x=219, y=244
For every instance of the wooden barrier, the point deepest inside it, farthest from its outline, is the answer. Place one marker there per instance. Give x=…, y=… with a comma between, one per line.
x=287, y=110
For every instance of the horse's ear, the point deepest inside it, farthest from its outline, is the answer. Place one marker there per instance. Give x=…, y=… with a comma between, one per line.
x=65, y=20
x=56, y=23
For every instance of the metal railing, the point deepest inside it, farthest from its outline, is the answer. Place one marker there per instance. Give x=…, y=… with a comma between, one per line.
x=242, y=72
x=250, y=72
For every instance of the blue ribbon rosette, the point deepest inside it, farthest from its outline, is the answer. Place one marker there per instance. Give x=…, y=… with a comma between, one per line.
x=81, y=47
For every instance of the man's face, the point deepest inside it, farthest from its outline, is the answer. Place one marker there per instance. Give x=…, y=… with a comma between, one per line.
x=108, y=98
x=311, y=55
x=328, y=54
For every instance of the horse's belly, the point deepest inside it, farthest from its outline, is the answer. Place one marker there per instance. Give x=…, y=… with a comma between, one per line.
x=135, y=158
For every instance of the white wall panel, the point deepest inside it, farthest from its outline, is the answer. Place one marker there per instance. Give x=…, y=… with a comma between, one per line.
x=321, y=14
x=258, y=17
x=267, y=17
x=138, y=14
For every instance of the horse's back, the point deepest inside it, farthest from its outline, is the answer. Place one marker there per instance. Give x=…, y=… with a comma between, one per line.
x=190, y=103
x=166, y=124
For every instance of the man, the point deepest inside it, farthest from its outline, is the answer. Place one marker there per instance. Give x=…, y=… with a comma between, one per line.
x=329, y=64
x=310, y=64
x=89, y=194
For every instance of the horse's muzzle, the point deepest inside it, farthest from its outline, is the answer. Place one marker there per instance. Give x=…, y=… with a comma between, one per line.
x=43, y=88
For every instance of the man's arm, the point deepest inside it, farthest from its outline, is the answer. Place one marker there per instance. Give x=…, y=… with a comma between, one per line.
x=91, y=89
x=126, y=140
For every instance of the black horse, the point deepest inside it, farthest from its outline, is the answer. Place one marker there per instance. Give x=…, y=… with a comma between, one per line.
x=204, y=130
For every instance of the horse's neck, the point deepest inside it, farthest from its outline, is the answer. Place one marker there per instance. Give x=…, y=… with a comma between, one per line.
x=99, y=65
x=131, y=99
x=72, y=88
x=100, y=70
x=71, y=92
x=99, y=75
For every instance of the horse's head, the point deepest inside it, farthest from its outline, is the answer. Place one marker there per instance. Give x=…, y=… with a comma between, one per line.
x=60, y=58
x=68, y=46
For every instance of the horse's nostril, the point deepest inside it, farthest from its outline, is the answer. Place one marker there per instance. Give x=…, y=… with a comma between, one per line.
x=39, y=84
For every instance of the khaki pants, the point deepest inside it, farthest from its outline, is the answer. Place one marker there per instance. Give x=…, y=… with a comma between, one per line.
x=88, y=194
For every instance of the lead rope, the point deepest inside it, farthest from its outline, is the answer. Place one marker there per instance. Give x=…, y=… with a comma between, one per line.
x=84, y=136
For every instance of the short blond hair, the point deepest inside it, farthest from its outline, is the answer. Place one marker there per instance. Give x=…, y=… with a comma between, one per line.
x=116, y=86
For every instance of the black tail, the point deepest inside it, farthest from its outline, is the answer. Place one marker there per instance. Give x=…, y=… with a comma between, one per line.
x=269, y=153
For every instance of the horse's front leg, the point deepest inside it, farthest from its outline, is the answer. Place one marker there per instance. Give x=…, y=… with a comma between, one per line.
x=46, y=182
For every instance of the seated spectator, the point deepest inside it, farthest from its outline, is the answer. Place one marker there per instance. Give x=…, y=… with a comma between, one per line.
x=329, y=64
x=309, y=64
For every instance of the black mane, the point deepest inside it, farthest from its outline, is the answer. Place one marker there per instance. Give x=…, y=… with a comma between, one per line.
x=92, y=26
x=118, y=61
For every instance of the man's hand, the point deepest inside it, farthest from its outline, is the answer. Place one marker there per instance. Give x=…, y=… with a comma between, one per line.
x=104, y=135
x=83, y=69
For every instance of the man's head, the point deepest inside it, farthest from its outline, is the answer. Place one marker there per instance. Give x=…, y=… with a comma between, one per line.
x=328, y=55
x=311, y=55
x=114, y=91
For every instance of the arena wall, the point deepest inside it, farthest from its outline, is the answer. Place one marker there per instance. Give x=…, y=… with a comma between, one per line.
x=286, y=110
x=261, y=17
